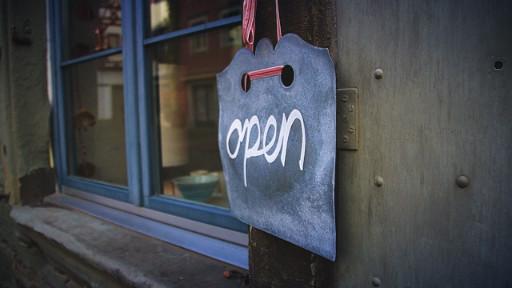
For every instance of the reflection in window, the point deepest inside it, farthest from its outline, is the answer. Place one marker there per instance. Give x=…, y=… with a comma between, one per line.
x=184, y=87
x=171, y=15
x=95, y=90
x=233, y=36
x=91, y=26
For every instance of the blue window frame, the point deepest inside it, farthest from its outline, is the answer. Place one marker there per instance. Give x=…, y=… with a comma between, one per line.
x=140, y=137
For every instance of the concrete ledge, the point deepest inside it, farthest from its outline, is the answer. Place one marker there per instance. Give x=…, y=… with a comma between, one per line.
x=128, y=258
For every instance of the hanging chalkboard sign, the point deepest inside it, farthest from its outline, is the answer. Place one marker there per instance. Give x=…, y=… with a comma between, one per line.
x=277, y=141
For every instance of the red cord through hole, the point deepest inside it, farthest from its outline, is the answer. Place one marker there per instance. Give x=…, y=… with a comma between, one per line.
x=265, y=72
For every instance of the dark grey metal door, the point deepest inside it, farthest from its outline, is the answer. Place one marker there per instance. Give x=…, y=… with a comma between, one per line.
x=425, y=200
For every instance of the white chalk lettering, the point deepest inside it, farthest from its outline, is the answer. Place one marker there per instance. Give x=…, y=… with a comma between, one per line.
x=263, y=145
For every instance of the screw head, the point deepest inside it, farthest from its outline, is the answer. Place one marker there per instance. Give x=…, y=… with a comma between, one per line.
x=376, y=282
x=378, y=73
x=378, y=181
x=462, y=181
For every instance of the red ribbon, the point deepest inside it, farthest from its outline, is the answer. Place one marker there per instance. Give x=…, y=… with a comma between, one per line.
x=249, y=23
x=248, y=32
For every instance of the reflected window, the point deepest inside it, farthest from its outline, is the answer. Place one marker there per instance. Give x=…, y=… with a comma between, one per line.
x=204, y=104
x=198, y=42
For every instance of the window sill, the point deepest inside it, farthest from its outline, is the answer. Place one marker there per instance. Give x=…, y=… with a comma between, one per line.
x=219, y=243
x=129, y=257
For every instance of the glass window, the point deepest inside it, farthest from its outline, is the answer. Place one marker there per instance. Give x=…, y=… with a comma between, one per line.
x=96, y=101
x=91, y=26
x=166, y=81
x=184, y=86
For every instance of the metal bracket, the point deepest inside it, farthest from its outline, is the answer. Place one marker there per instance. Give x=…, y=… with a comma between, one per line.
x=347, y=114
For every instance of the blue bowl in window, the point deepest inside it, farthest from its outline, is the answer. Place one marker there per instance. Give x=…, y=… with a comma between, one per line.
x=197, y=187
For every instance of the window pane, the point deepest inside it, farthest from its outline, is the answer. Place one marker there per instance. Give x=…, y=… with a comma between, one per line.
x=184, y=85
x=95, y=91
x=170, y=15
x=91, y=26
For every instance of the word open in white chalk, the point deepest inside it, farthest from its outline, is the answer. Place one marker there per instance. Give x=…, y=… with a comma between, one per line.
x=262, y=147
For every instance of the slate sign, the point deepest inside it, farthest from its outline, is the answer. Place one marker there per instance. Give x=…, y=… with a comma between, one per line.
x=278, y=143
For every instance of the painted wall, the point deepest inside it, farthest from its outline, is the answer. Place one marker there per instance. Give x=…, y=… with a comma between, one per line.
x=4, y=100
x=24, y=104
x=25, y=175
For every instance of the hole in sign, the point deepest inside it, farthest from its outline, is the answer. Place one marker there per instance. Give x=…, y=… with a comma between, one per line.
x=286, y=72
x=246, y=82
x=287, y=75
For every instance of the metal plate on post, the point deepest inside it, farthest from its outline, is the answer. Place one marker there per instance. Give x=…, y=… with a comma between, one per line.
x=278, y=142
x=346, y=119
